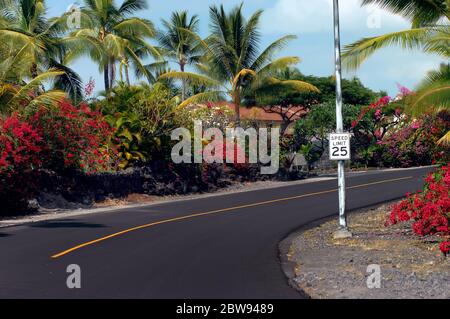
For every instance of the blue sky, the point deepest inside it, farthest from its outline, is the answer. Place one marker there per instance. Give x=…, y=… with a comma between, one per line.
x=311, y=22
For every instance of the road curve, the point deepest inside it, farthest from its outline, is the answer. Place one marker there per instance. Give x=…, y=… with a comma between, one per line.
x=223, y=246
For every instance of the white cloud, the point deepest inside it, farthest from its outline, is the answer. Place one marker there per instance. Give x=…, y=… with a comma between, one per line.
x=395, y=65
x=306, y=16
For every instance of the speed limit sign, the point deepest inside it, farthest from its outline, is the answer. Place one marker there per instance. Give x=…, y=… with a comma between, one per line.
x=339, y=146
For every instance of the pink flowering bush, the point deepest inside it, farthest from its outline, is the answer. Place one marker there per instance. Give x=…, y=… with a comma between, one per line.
x=376, y=118
x=429, y=209
x=89, y=88
x=385, y=136
x=416, y=143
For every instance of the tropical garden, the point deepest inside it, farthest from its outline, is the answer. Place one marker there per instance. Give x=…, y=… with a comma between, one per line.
x=87, y=141
x=426, y=114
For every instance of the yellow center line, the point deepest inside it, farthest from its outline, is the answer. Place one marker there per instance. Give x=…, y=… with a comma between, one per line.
x=222, y=210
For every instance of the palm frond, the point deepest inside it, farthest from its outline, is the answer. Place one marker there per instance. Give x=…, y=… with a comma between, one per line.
x=131, y=6
x=190, y=77
x=48, y=99
x=135, y=26
x=432, y=94
x=420, y=12
x=23, y=92
x=242, y=73
x=356, y=53
x=445, y=140
x=272, y=49
x=277, y=65
x=69, y=82
x=210, y=96
x=273, y=86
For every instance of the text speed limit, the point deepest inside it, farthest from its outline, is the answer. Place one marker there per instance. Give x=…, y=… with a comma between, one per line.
x=339, y=146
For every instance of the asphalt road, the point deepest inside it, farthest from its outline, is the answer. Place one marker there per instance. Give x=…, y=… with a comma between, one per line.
x=216, y=247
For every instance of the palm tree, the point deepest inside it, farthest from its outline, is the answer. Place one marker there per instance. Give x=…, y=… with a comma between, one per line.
x=430, y=32
x=234, y=63
x=178, y=42
x=110, y=34
x=14, y=91
x=25, y=33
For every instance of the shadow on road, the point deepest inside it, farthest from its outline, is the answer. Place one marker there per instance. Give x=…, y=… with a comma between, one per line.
x=66, y=224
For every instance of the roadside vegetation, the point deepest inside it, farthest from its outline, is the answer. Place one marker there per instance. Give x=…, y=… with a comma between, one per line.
x=427, y=108
x=57, y=136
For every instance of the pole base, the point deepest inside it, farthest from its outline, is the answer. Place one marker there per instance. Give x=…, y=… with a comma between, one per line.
x=342, y=234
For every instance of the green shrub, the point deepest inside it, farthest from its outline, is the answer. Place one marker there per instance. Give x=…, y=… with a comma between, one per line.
x=143, y=117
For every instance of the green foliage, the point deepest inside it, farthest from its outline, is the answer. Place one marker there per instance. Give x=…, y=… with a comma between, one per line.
x=353, y=91
x=179, y=42
x=418, y=11
x=127, y=138
x=432, y=95
x=234, y=62
x=111, y=34
x=429, y=32
x=210, y=115
x=320, y=121
x=308, y=151
x=143, y=117
x=31, y=44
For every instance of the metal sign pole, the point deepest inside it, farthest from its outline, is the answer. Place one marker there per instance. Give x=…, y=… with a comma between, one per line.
x=343, y=231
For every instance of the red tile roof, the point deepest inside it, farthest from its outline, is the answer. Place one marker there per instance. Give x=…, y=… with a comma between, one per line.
x=258, y=113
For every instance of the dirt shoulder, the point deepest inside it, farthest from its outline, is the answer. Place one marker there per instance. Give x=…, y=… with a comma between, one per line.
x=322, y=267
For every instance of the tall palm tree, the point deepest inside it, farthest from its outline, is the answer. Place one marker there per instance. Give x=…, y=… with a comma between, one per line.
x=25, y=32
x=110, y=33
x=234, y=62
x=178, y=42
x=430, y=32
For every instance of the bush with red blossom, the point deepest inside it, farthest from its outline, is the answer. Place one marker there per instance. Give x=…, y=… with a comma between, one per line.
x=21, y=146
x=75, y=138
x=429, y=210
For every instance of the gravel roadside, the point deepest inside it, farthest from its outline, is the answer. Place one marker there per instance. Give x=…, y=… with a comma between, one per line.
x=322, y=267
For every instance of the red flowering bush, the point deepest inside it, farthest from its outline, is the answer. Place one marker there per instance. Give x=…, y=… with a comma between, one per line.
x=76, y=138
x=429, y=210
x=56, y=138
x=20, y=157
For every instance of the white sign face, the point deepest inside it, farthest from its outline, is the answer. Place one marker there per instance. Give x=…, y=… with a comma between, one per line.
x=339, y=146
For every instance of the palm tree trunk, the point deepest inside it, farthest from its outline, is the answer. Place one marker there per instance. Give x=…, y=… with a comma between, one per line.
x=112, y=74
x=34, y=74
x=33, y=70
x=237, y=107
x=183, y=84
x=127, y=75
x=106, y=75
